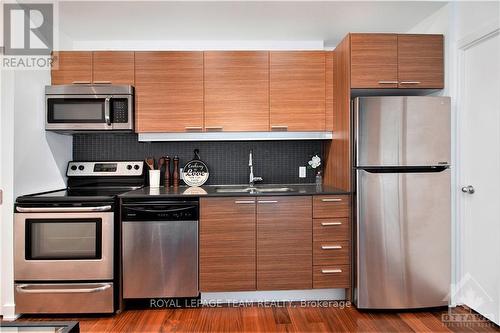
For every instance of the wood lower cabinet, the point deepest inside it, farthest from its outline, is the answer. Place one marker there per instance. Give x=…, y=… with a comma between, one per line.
x=331, y=241
x=297, y=90
x=169, y=91
x=374, y=61
x=284, y=243
x=236, y=91
x=71, y=67
x=113, y=67
x=227, y=244
x=421, y=61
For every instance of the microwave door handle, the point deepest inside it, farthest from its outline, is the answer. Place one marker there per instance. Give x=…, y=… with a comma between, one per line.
x=107, y=116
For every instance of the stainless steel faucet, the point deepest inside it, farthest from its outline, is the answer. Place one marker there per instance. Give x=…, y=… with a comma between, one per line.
x=253, y=179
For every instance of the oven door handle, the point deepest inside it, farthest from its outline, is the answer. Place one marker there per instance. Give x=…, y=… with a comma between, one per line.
x=107, y=112
x=22, y=289
x=62, y=209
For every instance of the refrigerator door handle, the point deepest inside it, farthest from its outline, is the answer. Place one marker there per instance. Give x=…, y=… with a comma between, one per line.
x=405, y=169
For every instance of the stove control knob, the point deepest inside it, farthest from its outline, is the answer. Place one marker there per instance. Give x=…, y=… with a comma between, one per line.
x=129, y=167
x=81, y=167
x=73, y=167
x=136, y=166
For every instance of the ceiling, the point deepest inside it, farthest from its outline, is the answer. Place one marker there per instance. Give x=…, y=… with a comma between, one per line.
x=237, y=21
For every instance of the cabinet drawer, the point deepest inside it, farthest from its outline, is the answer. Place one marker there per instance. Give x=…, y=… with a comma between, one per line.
x=331, y=276
x=325, y=206
x=331, y=253
x=331, y=229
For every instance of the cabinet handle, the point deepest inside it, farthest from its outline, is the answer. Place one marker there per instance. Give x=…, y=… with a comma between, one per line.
x=331, y=200
x=102, y=82
x=80, y=82
x=214, y=128
x=193, y=128
x=267, y=201
x=331, y=247
x=331, y=271
x=326, y=224
x=387, y=82
x=410, y=82
x=279, y=128
x=244, y=202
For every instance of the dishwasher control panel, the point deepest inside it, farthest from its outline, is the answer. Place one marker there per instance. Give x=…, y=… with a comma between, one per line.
x=176, y=210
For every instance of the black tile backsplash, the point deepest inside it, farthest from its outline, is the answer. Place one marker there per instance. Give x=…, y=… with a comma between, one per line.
x=276, y=161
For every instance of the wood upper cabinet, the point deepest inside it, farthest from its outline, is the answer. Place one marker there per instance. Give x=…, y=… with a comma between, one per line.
x=397, y=61
x=374, y=61
x=236, y=91
x=114, y=67
x=227, y=244
x=169, y=91
x=421, y=61
x=284, y=242
x=297, y=90
x=71, y=67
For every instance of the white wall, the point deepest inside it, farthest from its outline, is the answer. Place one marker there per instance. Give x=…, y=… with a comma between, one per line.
x=7, y=185
x=40, y=157
x=456, y=21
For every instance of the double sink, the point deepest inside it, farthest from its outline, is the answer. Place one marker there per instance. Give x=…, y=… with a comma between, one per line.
x=253, y=189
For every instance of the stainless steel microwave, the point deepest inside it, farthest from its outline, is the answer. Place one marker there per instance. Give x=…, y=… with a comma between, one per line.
x=81, y=108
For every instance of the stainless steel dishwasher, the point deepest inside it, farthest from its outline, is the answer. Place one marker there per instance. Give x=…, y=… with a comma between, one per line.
x=160, y=248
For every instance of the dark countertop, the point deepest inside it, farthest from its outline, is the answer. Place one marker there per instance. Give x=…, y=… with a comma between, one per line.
x=211, y=191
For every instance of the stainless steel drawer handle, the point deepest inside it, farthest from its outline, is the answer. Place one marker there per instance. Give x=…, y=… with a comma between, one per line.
x=102, y=82
x=22, y=289
x=387, y=82
x=267, y=201
x=331, y=247
x=80, y=82
x=62, y=209
x=331, y=271
x=326, y=224
x=410, y=82
x=193, y=128
x=279, y=128
x=214, y=128
x=331, y=200
x=244, y=202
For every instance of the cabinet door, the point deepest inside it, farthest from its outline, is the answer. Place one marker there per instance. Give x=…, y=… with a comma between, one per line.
x=297, y=90
x=169, y=91
x=421, y=61
x=71, y=67
x=236, y=91
x=374, y=61
x=113, y=67
x=284, y=243
x=227, y=244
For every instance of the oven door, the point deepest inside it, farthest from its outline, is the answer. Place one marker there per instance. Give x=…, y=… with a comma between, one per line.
x=89, y=112
x=63, y=246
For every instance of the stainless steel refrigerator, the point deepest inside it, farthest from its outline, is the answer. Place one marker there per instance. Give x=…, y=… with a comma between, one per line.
x=402, y=207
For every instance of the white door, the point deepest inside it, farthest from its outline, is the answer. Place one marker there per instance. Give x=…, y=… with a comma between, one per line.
x=479, y=151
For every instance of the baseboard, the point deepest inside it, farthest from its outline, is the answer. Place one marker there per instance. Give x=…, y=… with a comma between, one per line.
x=275, y=296
x=9, y=312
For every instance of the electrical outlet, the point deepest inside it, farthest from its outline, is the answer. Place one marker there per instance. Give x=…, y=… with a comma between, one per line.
x=302, y=172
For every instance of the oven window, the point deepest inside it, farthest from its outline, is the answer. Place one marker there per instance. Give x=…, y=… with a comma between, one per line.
x=75, y=110
x=63, y=239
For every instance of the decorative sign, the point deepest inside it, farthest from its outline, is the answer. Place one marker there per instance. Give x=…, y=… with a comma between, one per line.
x=195, y=172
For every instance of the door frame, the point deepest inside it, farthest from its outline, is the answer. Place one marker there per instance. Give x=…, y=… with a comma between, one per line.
x=489, y=30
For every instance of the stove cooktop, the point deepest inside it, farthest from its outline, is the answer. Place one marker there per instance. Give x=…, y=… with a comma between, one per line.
x=86, y=194
x=93, y=182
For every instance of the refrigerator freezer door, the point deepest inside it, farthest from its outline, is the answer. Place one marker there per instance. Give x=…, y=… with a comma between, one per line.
x=403, y=239
x=402, y=130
